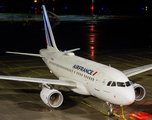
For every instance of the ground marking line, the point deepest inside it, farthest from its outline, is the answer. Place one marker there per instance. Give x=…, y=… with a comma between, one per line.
x=20, y=60
x=117, y=107
x=147, y=107
x=128, y=106
x=70, y=96
x=13, y=68
x=28, y=76
x=138, y=107
x=139, y=57
x=125, y=60
x=85, y=104
x=103, y=112
x=89, y=106
x=2, y=63
x=10, y=67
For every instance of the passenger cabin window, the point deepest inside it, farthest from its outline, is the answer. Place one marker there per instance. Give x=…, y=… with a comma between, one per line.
x=120, y=84
x=109, y=83
x=128, y=84
x=113, y=84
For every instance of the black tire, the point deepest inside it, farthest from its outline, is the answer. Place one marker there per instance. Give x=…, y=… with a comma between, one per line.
x=110, y=113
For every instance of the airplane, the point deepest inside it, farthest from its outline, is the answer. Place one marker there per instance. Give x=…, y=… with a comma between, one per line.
x=82, y=76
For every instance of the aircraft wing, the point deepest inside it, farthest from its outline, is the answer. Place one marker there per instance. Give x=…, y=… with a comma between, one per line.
x=135, y=71
x=40, y=80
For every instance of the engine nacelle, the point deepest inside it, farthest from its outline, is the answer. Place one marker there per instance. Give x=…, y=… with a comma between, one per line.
x=51, y=97
x=140, y=91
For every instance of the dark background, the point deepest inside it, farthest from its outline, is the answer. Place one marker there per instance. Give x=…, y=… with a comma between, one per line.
x=90, y=36
x=110, y=7
x=107, y=34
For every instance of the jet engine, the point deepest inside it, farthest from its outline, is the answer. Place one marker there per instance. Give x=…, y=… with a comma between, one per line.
x=51, y=97
x=140, y=91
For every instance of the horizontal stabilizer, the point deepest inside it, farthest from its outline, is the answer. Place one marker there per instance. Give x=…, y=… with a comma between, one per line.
x=28, y=54
x=72, y=50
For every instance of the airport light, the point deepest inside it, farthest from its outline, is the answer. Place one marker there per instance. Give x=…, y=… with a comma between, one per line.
x=32, y=7
x=92, y=8
x=143, y=9
x=102, y=8
x=0, y=6
x=146, y=8
x=65, y=8
x=35, y=1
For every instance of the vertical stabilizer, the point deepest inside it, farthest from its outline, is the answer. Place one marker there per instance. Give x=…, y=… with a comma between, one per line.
x=48, y=30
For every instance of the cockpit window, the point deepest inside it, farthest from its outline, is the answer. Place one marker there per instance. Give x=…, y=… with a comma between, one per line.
x=120, y=84
x=109, y=83
x=113, y=84
x=128, y=84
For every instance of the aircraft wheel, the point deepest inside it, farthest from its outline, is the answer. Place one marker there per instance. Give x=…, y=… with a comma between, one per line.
x=110, y=113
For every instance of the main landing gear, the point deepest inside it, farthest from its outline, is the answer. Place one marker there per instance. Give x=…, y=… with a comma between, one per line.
x=110, y=112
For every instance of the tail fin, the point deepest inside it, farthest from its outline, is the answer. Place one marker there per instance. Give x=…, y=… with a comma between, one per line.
x=48, y=30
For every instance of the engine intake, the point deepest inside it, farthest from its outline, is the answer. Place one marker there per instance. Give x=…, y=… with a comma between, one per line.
x=51, y=97
x=140, y=91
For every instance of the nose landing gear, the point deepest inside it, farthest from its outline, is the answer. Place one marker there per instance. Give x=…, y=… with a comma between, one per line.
x=110, y=112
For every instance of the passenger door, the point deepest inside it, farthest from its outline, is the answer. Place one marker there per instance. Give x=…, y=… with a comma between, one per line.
x=98, y=81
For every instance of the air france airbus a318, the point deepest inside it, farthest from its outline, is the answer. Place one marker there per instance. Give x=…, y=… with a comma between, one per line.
x=82, y=76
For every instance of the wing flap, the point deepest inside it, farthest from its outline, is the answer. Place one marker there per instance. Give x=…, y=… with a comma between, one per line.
x=135, y=71
x=40, y=80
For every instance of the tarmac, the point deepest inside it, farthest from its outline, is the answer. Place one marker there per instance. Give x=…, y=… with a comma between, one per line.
x=21, y=100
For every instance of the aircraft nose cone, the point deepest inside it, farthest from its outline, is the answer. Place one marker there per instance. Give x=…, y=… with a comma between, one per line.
x=129, y=98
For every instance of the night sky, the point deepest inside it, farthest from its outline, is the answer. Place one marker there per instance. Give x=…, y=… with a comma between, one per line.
x=119, y=7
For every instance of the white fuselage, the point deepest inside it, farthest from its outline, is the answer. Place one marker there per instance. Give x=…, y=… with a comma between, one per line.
x=91, y=77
